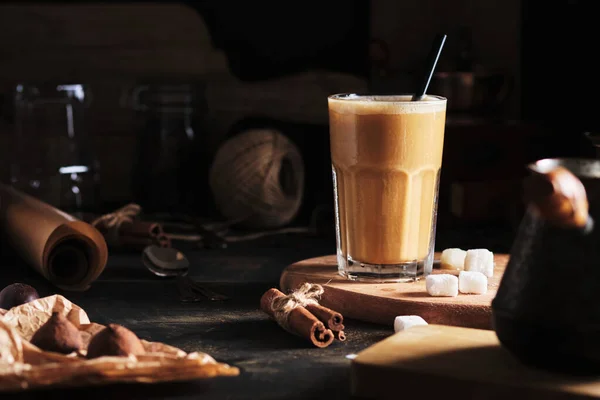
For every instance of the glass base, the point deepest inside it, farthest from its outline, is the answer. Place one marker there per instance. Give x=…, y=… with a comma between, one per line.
x=381, y=273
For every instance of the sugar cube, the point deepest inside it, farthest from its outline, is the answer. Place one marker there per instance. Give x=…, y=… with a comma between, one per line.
x=442, y=285
x=403, y=322
x=453, y=259
x=480, y=260
x=472, y=282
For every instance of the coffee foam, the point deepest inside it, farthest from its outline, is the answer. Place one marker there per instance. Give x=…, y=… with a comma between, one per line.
x=385, y=104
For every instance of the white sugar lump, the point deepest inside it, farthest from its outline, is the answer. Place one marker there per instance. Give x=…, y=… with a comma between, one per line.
x=442, y=285
x=453, y=259
x=480, y=260
x=472, y=282
x=403, y=322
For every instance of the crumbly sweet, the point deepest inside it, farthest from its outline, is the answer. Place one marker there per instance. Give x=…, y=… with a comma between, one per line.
x=58, y=334
x=115, y=340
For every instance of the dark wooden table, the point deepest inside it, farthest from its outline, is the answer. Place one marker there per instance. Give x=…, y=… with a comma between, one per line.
x=273, y=363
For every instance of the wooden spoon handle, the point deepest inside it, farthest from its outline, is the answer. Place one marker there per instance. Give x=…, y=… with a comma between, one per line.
x=559, y=197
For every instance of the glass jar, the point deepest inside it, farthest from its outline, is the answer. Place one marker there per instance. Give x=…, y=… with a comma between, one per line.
x=165, y=173
x=52, y=158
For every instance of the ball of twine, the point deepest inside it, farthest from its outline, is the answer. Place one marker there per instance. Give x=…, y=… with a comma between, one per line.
x=257, y=178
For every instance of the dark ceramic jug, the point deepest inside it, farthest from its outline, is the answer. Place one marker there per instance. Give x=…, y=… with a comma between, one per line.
x=547, y=308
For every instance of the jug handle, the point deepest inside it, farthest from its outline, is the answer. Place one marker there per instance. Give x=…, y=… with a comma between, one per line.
x=559, y=197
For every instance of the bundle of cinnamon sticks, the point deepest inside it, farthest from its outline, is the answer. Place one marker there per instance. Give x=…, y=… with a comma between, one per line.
x=307, y=319
x=123, y=229
x=136, y=235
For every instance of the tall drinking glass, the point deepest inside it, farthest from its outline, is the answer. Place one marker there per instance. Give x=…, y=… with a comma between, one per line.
x=386, y=154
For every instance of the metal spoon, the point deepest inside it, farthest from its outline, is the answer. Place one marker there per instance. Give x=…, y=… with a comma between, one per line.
x=168, y=262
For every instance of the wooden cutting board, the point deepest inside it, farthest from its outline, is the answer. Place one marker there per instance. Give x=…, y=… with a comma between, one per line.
x=445, y=362
x=381, y=303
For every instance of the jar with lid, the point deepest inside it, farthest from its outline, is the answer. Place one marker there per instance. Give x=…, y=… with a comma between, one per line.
x=165, y=173
x=52, y=156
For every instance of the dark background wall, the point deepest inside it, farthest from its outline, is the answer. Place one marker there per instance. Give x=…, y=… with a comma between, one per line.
x=559, y=61
x=244, y=50
x=271, y=39
x=274, y=63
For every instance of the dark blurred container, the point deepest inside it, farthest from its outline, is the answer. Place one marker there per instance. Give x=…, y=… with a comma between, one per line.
x=52, y=158
x=168, y=168
x=479, y=92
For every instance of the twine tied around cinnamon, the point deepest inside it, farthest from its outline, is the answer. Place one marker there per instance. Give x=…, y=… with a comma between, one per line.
x=308, y=293
x=112, y=221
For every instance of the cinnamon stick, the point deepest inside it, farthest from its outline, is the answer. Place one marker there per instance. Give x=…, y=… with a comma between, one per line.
x=300, y=321
x=135, y=242
x=339, y=335
x=139, y=242
x=140, y=228
x=332, y=319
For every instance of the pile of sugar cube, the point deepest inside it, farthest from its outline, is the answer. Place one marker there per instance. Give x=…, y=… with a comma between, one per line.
x=475, y=266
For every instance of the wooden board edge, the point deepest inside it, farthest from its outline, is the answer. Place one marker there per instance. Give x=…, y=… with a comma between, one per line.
x=479, y=317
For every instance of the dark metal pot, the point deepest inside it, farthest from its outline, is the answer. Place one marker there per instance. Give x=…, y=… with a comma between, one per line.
x=547, y=308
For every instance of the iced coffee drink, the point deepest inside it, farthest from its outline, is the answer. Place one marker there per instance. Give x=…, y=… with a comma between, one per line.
x=386, y=156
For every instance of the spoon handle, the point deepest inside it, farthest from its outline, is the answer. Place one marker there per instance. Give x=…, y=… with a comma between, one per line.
x=204, y=291
x=186, y=294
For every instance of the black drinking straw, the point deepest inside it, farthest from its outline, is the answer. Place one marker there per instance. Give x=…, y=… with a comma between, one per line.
x=432, y=59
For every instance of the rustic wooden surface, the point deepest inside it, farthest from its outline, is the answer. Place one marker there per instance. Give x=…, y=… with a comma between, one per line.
x=381, y=303
x=273, y=363
x=468, y=362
